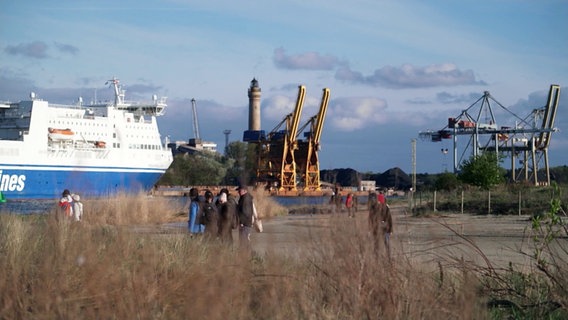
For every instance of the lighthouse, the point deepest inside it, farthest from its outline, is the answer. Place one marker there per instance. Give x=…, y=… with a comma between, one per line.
x=254, y=105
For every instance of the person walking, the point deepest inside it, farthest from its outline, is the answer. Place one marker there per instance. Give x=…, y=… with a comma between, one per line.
x=349, y=203
x=77, y=207
x=66, y=203
x=227, y=207
x=337, y=198
x=210, y=217
x=245, y=214
x=381, y=197
x=193, y=225
x=380, y=225
x=371, y=199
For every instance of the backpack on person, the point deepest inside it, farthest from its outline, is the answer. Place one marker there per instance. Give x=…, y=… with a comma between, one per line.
x=232, y=205
x=206, y=212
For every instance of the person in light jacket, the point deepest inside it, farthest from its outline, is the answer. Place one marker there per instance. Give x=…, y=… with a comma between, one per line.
x=77, y=207
x=193, y=224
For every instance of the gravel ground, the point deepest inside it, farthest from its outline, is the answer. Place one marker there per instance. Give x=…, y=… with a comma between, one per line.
x=483, y=240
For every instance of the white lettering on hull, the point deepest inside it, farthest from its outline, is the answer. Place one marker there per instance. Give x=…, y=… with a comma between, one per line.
x=12, y=182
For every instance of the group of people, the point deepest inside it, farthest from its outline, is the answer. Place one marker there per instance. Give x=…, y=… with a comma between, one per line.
x=380, y=218
x=217, y=218
x=71, y=205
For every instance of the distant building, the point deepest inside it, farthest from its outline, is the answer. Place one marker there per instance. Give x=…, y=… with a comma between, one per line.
x=367, y=185
x=194, y=146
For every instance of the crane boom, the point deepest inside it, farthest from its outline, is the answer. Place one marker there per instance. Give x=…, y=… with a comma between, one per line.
x=307, y=160
x=296, y=115
x=195, y=122
x=321, y=115
x=543, y=140
x=288, y=164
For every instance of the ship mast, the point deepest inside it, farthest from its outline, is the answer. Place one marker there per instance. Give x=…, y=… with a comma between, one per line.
x=118, y=92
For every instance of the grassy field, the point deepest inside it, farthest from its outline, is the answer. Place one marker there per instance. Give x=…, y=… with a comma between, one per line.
x=102, y=268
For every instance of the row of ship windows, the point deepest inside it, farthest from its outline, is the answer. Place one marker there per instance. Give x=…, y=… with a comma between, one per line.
x=139, y=146
x=142, y=146
x=67, y=123
x=91, y=124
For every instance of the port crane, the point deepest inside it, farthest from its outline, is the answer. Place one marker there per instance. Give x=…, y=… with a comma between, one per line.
x=195, y=121
x=528, y=137
x=307, y=154
x=276, y=152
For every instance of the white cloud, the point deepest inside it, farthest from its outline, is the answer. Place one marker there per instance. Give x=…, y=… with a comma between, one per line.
x=350, y=114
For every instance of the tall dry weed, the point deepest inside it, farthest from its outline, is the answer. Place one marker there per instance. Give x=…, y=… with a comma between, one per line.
x=358, y=281
x=125, y=209
x=94, y=269
x=266, y=206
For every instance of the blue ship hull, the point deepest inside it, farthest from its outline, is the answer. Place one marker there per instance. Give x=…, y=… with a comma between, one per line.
x=94, y=150
x=48, y=183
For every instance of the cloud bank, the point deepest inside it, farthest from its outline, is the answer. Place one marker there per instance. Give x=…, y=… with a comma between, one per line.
x=38, y=49
x=304, y=61
x=410, y=76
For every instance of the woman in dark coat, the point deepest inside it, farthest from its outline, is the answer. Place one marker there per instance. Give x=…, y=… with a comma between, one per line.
x=210, y=217
x=227, y=206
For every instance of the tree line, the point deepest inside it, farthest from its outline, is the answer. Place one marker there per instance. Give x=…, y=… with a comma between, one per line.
x=238, y=165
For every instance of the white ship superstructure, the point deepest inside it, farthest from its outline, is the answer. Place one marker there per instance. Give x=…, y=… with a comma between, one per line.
x=95, y=149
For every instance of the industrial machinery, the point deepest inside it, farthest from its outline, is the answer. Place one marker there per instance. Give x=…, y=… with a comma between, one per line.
x=194, y=144
x=195, y=121
x=276, y=159
x=307, y=160
x=529, y=136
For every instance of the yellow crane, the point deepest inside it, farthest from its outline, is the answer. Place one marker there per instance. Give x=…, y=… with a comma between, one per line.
x=288, y=168
x=276, y=159
x=307, y=154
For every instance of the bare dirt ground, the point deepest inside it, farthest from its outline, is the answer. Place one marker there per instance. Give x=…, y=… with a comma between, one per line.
x=486, y=240
x=444, y=239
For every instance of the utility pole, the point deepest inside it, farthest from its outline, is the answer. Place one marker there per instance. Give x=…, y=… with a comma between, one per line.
x=413, y=141
x=226, y=132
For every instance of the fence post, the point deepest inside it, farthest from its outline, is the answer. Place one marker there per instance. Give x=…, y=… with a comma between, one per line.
x=411, y=200
x=462, y=203
x=434, y=200
x=519, y=202
x=488, y=201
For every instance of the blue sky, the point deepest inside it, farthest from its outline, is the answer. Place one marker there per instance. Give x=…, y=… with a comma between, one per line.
x=394, y=68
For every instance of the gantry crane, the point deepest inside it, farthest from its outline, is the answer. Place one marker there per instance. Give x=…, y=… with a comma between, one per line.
x=307, y=154
x=276, y=151
x=523, y=137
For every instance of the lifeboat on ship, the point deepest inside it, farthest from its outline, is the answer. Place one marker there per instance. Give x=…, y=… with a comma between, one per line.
x=60, y=134
x=100, y=144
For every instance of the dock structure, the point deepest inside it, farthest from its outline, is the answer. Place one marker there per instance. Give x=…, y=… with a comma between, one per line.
x=285, y=161
x=526, y=140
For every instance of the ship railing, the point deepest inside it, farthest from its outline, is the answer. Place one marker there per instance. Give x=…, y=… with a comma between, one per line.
x=67, y=106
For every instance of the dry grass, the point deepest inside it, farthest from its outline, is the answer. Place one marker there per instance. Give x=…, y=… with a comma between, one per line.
x=132, y=210
x=53, y=268
x=266, y=206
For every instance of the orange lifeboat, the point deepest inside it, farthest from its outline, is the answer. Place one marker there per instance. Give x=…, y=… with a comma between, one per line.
x=100, y=144
x=60, y=134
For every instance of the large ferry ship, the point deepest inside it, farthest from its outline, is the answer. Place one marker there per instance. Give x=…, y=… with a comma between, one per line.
x=94, y=150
